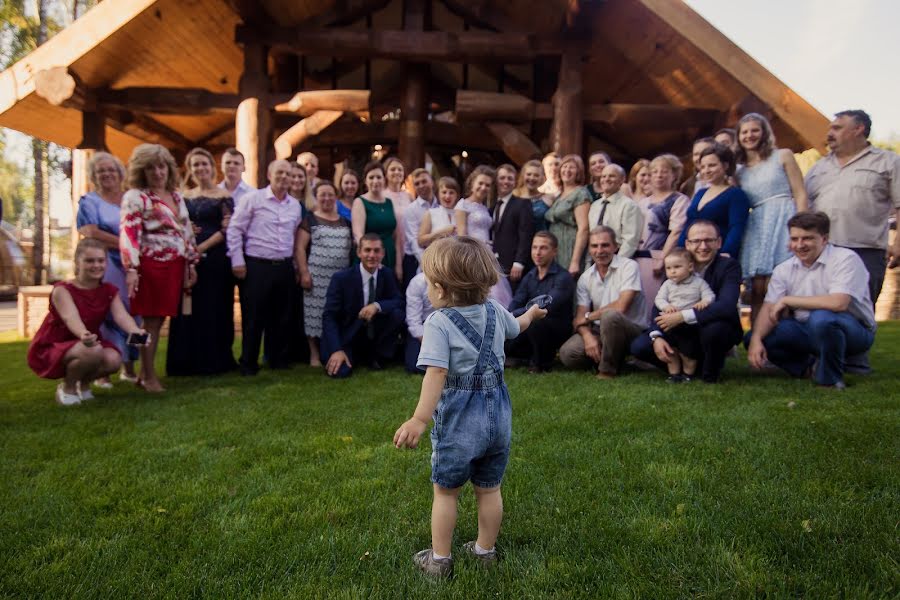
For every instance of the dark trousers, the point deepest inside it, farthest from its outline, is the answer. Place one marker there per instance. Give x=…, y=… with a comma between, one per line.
x=540, y=342
x=876, y=264
x=378, y=342
x=410, y=268
x=411, y=355
x=716, y=339
x=266, y=298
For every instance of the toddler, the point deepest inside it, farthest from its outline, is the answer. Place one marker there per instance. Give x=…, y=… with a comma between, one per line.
x=683, y=289
x=464, y=392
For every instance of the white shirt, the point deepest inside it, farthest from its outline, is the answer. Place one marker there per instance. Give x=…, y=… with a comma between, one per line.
x=595, y=291
x=242, y=188
x=412, y=220
x=366, y=276
x=418, y=307
x=501, y=207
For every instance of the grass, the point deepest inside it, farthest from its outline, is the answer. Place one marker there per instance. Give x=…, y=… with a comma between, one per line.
x=286, y=485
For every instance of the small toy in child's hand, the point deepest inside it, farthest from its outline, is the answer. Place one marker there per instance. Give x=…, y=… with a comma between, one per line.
x=542, y=301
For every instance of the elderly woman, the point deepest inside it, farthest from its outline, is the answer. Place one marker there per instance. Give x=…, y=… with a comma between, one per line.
x=373, y=212
x=157, y=244
x=324, y=246
x=531, y=178
x=722, y=203
x=664, y=217
x=98, y=218
x=69, y=344
x=568, y=217
x=200, y=343
x=772, y=181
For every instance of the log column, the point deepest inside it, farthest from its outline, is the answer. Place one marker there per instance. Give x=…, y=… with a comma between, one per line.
x=413, y=113
x=253, y=123
x=568, y=118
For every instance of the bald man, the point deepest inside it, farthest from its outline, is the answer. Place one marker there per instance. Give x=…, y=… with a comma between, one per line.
x=261, y=246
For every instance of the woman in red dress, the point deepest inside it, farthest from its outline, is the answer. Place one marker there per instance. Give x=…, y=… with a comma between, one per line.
x=157, y=244
x=68, y=344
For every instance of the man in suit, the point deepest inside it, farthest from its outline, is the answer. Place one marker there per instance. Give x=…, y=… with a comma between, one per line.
x=513, y=227
x=363, y=313
x=719, y=323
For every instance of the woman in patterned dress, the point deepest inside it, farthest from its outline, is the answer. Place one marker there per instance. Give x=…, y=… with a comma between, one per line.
x=772, y=181
x=200, y=343
x=324, y=246
x=157, y=245
x=568, y=217
x=374, y=213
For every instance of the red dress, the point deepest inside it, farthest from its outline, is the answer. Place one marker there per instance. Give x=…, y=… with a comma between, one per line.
x=53, y=339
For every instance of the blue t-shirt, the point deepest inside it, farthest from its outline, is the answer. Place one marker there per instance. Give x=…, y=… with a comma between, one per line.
x=444, y=345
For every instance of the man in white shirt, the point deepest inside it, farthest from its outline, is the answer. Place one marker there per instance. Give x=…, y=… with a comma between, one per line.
x=817, y=309
x=616, y=210
x=610, y=309
x=418, y=307
x=412, y=216
x=232, y=169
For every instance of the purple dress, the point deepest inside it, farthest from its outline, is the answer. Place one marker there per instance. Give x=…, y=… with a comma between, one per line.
x=478, y=221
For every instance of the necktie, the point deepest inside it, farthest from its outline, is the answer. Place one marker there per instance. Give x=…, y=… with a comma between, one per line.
x=603, y=205
x=370, y=326
x=497, y=212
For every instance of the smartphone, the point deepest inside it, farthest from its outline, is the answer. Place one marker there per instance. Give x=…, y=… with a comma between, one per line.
x=138, y=339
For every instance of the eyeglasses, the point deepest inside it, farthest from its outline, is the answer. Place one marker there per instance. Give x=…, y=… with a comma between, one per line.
x=707, y=241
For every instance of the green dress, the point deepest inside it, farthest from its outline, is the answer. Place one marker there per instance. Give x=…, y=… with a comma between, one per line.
x=561, y=218
x=380, y=219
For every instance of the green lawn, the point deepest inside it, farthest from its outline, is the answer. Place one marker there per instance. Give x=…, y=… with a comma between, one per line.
x=286, y=485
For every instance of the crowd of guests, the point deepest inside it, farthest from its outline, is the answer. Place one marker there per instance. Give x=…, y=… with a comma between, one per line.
x=643, y=263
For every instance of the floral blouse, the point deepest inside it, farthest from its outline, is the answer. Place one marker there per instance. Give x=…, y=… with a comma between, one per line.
x=149, y=229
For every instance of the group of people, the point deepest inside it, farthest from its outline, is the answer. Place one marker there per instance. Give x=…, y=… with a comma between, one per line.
x=635, y=262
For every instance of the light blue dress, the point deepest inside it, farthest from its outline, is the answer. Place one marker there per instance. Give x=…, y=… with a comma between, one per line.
x=766, y=236
x=94, y=210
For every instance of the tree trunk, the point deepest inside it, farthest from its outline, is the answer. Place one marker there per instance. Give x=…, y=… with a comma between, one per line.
x=41, y=256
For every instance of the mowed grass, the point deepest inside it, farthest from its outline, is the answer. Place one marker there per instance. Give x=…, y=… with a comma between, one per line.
x=287, y=485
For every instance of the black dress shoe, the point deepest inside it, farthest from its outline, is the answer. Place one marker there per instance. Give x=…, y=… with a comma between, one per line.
x=249, y=371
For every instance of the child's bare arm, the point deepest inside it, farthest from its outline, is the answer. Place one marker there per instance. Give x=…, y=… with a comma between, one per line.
x=532, y=314
x=409, y=433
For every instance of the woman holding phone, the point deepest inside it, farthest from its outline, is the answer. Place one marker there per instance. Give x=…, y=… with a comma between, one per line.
x=68, y=345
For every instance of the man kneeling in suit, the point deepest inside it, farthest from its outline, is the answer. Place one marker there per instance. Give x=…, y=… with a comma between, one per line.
x=363, y=314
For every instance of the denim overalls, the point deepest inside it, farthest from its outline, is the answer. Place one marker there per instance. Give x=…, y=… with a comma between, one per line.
x=473, y=420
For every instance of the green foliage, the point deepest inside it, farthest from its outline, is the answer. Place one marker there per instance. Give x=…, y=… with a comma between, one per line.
x=16, y=191
x=286, y=486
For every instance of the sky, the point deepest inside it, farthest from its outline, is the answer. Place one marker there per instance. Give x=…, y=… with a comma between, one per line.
x=836, y=55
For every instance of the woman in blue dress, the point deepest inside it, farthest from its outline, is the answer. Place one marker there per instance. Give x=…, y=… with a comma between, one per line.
x=98, y=218
x=774, y=185
x=723, y=204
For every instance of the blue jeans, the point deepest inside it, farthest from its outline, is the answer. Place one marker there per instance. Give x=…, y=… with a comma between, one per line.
x=828, y=336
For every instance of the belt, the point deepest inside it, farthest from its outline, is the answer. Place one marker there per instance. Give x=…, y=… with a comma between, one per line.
x=270, y=261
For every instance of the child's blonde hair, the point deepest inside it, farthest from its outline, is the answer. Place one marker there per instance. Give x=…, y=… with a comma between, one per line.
x=464, y=267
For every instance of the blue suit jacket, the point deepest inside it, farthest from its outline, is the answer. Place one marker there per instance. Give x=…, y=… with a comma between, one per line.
x=344, y=300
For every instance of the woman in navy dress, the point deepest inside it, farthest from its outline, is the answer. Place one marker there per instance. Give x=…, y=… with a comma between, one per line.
x=722, y=203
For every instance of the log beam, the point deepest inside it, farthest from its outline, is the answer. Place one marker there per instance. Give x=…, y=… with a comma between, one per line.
x=170, y=101
x=517, y=146
x=61, y=87
x=311, y=126
x=414, y=46
x=568, y=123
x=307, y=103
x=253, y=122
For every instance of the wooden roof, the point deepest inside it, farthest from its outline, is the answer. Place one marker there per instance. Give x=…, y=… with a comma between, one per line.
x=641, y=52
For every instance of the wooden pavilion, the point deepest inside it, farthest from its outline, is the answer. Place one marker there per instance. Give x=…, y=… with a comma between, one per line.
x=505, y=80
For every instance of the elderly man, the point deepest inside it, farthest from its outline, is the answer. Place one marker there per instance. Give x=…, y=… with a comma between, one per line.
x=541, y=341
x=261, y=246
x=858, y=186
x=610, y=308
x=513, y=226
x=363, y=313
x=233, y=169
x=817, y=309
x=617, y=211
x=719, y=323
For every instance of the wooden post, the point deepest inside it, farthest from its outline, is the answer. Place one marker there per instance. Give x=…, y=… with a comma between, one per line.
x=413, y=112
x=568, y=121
x=93, y=139
x=253, y=123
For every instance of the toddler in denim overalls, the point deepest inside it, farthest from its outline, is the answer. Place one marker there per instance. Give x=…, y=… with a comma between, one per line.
x=464, y=392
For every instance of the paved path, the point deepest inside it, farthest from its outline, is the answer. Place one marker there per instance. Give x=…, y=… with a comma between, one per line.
x=7, y=316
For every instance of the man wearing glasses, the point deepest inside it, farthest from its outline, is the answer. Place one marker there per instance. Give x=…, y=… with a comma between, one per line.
x=719, y=323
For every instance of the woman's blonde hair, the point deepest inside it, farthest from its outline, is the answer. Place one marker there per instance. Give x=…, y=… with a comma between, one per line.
x=521, y=190
x=477, y=172
x=674, y=163
x=189, y=180
x=146, y=155
x=579, y=167
x=83, y=245
x=464, y=267
x=309, y=199
x=95, y=160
